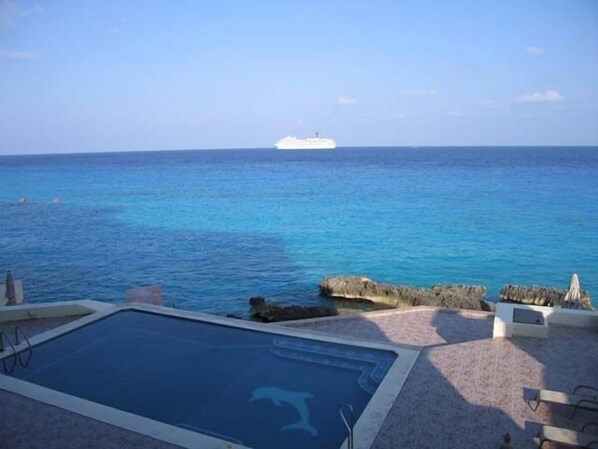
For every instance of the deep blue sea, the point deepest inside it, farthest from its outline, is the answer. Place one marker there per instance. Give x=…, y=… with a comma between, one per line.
x=217, y=227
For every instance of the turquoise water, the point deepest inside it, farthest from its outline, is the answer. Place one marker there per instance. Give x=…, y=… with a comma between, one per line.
x=216, y=227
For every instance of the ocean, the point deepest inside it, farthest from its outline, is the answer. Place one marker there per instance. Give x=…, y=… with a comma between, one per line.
x=215, y=227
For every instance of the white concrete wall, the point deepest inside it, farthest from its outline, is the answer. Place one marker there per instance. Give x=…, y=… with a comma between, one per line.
x=504, y=326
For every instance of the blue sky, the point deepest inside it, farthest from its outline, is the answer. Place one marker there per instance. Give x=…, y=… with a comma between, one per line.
x=79, y=76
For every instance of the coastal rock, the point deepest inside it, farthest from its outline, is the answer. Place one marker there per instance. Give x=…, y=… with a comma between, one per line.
x=423, y=297
x=456, y=302
x=256, y=302
x=467, y=291
x=395, y=296
x=357, y=287
x=459, y=296
x=540, y=296
x=271, y=312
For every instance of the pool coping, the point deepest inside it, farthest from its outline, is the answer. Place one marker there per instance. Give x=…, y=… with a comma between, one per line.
x=56, y=309
x=365, y=429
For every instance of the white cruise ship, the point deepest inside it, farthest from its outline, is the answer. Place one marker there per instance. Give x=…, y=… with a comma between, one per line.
x=311, y=143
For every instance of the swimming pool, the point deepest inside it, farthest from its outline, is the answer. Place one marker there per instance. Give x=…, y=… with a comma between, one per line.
x=215, y=380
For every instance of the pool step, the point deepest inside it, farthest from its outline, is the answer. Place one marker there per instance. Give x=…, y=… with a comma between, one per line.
x=372, y=368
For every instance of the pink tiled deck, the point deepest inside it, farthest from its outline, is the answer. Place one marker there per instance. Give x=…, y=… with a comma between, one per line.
x=465, y=390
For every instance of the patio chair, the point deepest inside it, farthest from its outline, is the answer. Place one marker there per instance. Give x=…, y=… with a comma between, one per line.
x=18, y=291
x=568, y=437
x=583, y=396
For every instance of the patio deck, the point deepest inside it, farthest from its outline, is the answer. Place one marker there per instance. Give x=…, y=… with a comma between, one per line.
x=37, y=326
x=466, y=389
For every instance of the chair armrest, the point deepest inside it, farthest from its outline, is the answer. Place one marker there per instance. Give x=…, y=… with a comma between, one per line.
x=585, y=387
x=586, y=401
x=583, y=401
x=588, y=424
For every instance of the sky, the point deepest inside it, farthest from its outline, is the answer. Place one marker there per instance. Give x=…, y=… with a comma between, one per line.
x=87, y=76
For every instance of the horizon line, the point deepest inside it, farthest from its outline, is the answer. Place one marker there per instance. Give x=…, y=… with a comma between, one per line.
x=275, y=149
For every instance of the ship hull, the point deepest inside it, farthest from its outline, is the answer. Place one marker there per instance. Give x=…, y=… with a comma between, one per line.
x=292, y=143
x=302, y=147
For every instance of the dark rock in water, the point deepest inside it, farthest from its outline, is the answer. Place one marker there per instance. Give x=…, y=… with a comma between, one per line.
x=271, y=312
x=541, y=296
x=232, y=315
x=257, y=301
x=356, y=287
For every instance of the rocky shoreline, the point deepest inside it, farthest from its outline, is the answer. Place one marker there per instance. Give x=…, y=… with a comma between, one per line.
x=359, y=292
x=398, y=296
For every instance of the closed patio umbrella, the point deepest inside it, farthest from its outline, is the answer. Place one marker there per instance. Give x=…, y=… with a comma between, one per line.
x=10, y=294
x=573, y=295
